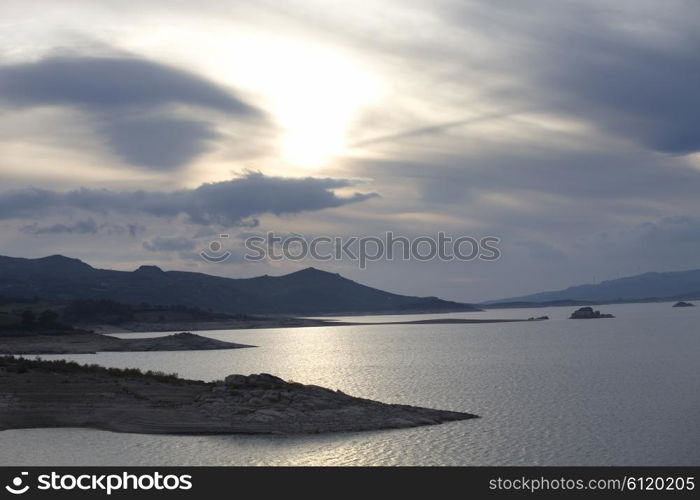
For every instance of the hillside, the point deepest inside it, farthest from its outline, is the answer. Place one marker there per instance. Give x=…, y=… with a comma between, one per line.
x=309, y=291
x=648, y=286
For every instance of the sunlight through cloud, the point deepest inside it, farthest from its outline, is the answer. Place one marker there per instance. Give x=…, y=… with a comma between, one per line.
x=314, y=93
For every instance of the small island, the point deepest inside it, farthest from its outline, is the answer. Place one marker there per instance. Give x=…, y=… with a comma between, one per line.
x=683, y=304
x=38, y=393
x=588, y=313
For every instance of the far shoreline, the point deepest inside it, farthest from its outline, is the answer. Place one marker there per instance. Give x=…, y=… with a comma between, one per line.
x=279, y=323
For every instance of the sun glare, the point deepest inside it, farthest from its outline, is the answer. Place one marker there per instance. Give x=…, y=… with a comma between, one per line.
x=315, y=94
x=313, y=91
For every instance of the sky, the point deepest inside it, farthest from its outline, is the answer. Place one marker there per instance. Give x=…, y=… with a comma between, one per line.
x=138, y=132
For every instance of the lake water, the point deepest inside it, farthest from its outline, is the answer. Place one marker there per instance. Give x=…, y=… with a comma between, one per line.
x=622, y=391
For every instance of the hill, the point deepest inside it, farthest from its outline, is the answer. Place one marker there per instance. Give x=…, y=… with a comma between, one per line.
x=309, y=291
x=652, y=286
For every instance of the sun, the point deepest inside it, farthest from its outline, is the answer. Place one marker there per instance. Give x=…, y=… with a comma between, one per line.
x=317, y=104
x=313, y=90
x=310, y=146
x=314, y=93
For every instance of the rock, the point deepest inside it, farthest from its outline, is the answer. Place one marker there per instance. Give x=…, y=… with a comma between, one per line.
x=588, y=313
x=253, y=382
x=265, y=379
x=235, y=380
x=683, y=304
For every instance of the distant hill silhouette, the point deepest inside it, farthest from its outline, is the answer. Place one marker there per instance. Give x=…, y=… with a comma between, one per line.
x=309, y=291
x=642, y=287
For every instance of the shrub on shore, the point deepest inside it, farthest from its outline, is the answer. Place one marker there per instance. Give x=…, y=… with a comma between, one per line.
x=24, y=365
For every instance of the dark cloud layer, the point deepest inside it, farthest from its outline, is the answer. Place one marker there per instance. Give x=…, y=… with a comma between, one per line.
x=126, y=99
x=525, y=173
x=228, y=202
x=589, y=60
x=84, y=226
x=87, y=226
x=158, y=142
x=111, y=82
x=642, y=92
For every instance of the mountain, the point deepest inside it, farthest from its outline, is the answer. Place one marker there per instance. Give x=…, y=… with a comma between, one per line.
x=309, y=291
x=642, y=287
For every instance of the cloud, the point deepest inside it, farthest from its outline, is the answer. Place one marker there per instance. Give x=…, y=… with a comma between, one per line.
x=670, y=231
x=129, y=101
x=427, y=130
x=158, y=142
x=169, y=244
x=226, y=203
x=83, y=226
x=541, y=250
x=638, y=91
x=626, y=68
x=99, y=83
x=665, y=243
x=534, y=174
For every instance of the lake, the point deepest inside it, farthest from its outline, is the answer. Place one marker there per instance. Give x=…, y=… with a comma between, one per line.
x=622, y=391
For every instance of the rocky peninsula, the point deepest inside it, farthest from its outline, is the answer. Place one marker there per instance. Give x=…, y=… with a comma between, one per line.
x=74, y=341
x=35, y=393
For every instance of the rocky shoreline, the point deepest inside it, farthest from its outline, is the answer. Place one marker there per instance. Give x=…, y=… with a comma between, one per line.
x=36, y=393
x=247, y=323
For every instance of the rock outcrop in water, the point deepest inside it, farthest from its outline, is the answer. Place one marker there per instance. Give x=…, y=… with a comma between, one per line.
x=588, y=313
x=64, y=394
x=683, y=304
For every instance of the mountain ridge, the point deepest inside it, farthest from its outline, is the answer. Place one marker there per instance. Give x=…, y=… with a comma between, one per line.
x=651, y=286
x=307, y=291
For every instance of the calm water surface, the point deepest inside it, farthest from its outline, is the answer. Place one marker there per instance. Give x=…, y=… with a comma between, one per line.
x=623, y=391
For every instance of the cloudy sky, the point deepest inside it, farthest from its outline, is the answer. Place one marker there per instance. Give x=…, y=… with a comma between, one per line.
x=138, y=131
